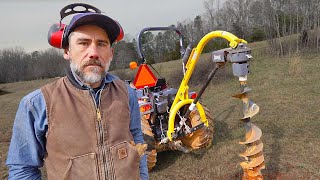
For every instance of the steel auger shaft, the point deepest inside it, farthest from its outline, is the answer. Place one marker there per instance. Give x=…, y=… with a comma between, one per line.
x=254, y=159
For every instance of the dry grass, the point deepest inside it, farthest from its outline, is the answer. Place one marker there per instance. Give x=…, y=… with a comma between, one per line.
x=8, y=106
x=295, y=65
x=287, y=91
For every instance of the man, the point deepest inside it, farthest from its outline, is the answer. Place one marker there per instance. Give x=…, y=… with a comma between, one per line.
x=83, y=125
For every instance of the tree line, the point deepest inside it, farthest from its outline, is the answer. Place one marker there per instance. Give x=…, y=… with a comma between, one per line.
x=18, y=65
x=252, y=20
x=269, y=20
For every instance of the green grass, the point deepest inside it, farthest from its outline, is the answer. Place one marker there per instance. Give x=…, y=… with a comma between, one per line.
x=287, y=91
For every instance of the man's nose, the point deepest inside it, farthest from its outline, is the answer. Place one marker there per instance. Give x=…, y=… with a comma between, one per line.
x=93, y=52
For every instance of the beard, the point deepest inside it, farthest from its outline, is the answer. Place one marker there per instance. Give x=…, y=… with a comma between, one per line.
x=94, y=74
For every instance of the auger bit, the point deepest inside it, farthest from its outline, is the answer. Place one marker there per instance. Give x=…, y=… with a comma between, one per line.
x=254, y=159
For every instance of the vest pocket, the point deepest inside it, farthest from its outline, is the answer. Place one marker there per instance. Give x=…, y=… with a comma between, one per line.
x=125, y=160
x=82, y=167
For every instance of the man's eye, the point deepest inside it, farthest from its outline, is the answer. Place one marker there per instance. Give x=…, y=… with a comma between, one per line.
x=83, y=43
x=102, y=44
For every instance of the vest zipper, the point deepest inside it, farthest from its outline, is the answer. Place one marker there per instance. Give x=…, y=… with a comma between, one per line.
x=98, y=114
x=101, y=134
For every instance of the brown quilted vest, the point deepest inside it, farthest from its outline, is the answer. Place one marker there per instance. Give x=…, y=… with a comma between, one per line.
x=85, y=142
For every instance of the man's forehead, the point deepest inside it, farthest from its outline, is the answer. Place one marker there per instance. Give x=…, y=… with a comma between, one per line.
x=90, y=31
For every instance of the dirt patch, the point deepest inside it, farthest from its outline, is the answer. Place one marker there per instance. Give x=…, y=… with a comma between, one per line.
x=3, y=92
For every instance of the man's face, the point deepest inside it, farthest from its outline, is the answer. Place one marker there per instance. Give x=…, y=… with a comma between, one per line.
x=90, y=54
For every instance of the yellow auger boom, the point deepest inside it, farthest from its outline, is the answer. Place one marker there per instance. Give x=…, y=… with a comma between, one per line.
x=182, y=94
x=239, y=55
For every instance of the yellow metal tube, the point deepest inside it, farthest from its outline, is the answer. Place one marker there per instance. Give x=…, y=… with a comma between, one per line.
x=176, y=108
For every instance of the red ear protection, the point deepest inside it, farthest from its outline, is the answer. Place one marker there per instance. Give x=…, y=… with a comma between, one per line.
x=121, y=34
x=57, y=34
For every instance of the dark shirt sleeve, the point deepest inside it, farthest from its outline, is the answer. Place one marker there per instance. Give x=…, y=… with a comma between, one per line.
x=27, y=146
x=135, y=128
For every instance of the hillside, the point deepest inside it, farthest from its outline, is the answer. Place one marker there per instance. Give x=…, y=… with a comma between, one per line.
x=287, y=91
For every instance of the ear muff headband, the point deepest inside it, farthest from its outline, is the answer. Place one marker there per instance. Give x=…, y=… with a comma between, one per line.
x=57, y=36
x=70, y=9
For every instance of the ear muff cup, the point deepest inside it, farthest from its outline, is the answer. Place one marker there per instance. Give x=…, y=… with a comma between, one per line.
x=121, y=34
x=56, y=35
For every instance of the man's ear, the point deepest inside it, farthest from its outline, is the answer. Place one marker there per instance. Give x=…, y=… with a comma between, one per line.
x=112, y=51
x=66, y=54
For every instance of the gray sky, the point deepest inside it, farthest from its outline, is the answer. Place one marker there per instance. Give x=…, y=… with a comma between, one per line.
x=25, y=23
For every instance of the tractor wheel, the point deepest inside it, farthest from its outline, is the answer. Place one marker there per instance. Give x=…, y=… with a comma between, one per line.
x=148, y=136
x=202, y=138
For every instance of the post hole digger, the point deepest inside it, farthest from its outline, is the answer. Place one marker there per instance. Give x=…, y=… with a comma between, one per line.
x=175, y=119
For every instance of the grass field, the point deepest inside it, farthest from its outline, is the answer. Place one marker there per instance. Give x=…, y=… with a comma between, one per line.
x=287, y=91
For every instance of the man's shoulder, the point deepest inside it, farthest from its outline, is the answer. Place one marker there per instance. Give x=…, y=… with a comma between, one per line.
x=33, y=96
x=54, y=83
x=37, y=95
x=111, y=77
x=115, y=79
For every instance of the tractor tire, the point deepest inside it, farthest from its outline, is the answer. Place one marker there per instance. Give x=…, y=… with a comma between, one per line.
x=148, y=136
x=202, y=138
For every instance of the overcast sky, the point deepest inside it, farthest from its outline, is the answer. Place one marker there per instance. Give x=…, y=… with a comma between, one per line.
x=25, y=23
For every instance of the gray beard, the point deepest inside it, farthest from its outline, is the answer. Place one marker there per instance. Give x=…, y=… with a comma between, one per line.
x=91, y=77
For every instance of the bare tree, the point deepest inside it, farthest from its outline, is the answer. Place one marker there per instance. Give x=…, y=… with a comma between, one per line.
x=124, y=54
x=211, y=7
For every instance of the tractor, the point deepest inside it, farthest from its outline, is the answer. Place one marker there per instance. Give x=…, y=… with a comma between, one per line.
x=176, y=119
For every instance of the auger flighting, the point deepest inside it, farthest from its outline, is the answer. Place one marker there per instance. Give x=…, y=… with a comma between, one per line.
x=254, y=159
